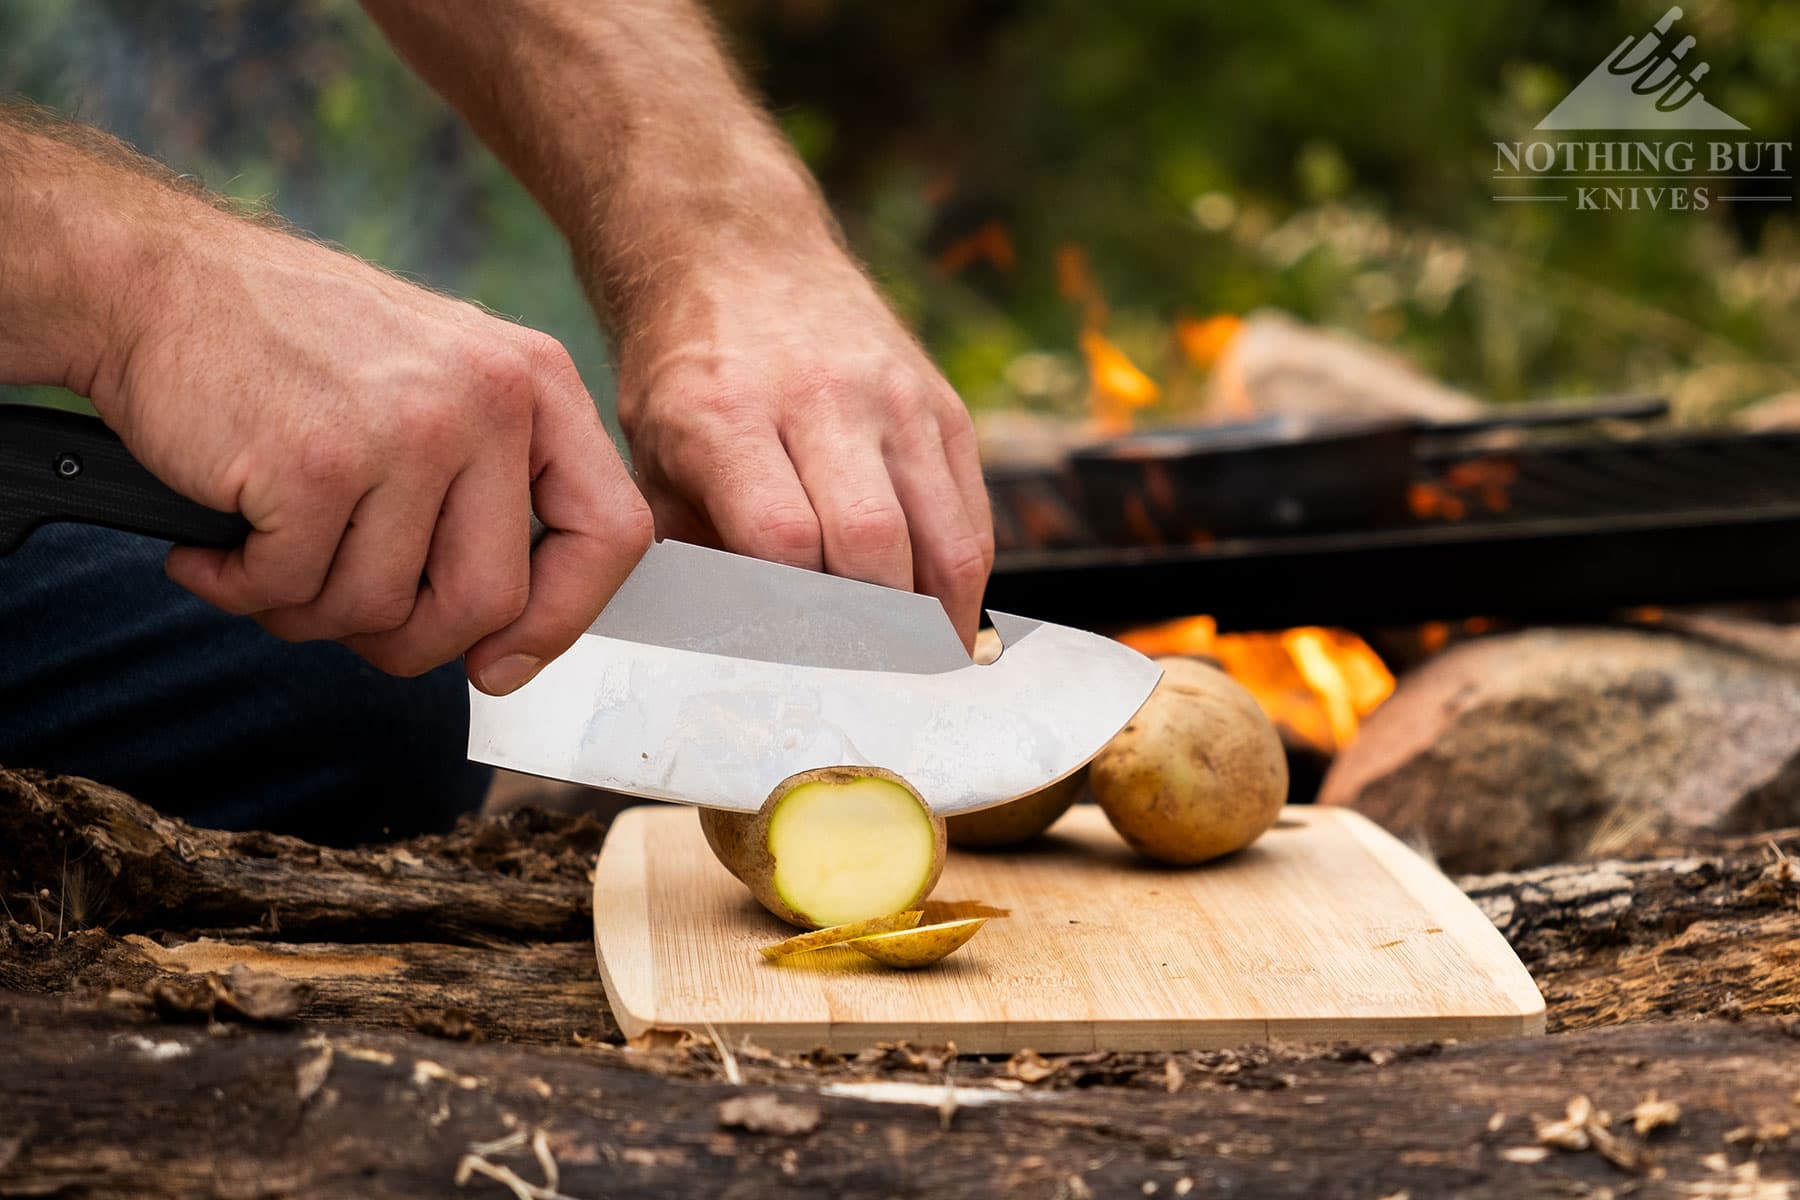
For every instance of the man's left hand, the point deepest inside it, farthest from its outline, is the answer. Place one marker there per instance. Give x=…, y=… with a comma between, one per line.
x=778, y=409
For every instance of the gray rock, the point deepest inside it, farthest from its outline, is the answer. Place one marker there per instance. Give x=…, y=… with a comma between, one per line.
x=1557, y=744
x=1277, y=365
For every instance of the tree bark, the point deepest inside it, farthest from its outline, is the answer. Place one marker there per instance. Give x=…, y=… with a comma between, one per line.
x=83, y=854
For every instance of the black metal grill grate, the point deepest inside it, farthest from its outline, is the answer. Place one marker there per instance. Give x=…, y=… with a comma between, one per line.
x=1545, y=531
x=1597, y=479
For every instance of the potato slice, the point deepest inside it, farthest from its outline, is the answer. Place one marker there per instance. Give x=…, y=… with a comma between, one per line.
x=832, y=846
x=918, y=947
x=818, y=939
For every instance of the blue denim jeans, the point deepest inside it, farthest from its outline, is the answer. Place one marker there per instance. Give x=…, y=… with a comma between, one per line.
x=110, y=671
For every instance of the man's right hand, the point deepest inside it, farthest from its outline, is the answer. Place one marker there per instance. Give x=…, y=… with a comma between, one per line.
x=388, y=445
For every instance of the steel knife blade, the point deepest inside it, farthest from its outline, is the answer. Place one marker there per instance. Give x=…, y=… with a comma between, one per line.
x=711, y=677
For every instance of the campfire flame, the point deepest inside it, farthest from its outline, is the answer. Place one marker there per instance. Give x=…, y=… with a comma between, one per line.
x=1315, y=684
x=1118, y=386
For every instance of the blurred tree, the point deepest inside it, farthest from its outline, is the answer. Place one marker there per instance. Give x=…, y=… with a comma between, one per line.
x=1334, y=160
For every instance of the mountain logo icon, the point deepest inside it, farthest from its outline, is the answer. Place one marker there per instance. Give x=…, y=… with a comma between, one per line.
x=1646, y=83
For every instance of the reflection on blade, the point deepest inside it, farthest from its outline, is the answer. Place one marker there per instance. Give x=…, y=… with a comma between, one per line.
x=704, y=729
x=684, y=597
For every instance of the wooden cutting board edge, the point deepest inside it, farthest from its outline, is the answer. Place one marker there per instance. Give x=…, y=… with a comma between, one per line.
x=619, y=891
x=1433, y=889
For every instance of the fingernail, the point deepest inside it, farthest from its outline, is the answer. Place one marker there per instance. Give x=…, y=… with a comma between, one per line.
x=507, y=674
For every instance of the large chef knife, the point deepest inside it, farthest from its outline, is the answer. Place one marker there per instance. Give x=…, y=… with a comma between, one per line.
x=710, y=677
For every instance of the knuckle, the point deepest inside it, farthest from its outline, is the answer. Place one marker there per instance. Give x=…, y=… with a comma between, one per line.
x=967, y=560
x=500, y=371
x=282, y=593
x=635, y=527
x=392, y=658
x=381, y=612
x=549, y=357
x=501, y=606
x=721, y=407
x=788, y=532
x=902, y=397
x=426, y=425
x=956, y=429
x=872, y=522
x=327, y=460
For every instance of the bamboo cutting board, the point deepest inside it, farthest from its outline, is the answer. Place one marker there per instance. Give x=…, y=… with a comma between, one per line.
x=1325, y=929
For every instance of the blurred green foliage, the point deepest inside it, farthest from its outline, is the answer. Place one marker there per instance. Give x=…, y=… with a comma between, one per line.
x=1330, y=159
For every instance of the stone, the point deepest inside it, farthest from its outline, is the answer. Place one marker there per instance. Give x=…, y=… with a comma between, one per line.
x=1550, y=745
x=1775, y=414
x=1276, y=365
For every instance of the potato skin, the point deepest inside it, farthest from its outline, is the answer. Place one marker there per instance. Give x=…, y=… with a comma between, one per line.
x=1017, y=821
x=740, y=841
x=1199, y=772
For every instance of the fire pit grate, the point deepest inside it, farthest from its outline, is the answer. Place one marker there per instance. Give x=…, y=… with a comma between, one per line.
x=1546, y=531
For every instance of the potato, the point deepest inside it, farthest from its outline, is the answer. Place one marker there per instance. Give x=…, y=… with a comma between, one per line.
x=1198, y=772
x=918, y=947
x=832, y=846
x=1016, y=821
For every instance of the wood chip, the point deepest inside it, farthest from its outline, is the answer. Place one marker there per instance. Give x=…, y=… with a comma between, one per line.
x=1525, y=1154
x=765, y=1112
x=658, y=1039
x=1568, y=1132
x=1030, y=1067
x=310, y=1076
x=1653, y=1112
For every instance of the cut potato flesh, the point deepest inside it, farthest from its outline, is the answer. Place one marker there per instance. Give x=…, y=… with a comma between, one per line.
x=837, y=935
x=918, y=947
x=846, y=850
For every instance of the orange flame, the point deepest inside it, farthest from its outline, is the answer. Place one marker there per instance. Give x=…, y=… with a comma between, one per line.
x=1204, y=341
x=1076, y=283
x=1317, y=684
x=991, y=243
x=1119, y=387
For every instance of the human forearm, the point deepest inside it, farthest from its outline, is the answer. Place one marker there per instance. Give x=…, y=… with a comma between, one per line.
x=774, y=404
x=78, y=215
x=387, y=444
x=627, y=123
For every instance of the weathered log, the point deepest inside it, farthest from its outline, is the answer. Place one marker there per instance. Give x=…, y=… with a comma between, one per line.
x=102, y=1105
x=537, y=993
x=77, y=853
x=383, y=937
x=1619, y=941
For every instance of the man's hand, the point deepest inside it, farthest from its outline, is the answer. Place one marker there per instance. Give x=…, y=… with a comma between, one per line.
x=387, y=444
x=773, y=402
x=786, y=414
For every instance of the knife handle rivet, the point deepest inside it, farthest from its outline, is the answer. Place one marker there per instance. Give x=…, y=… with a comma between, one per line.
x=68, y=465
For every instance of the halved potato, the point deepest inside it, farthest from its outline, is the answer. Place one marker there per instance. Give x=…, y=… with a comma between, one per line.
x=832, y=846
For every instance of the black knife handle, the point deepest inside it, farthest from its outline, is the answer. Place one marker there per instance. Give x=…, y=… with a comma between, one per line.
x=63, y=466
